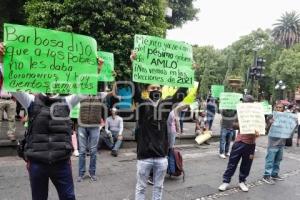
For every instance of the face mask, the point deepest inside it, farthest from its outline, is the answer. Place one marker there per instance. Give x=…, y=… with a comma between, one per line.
x=155, y=95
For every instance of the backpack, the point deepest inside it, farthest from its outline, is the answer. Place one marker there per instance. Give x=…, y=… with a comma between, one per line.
x=175, y=163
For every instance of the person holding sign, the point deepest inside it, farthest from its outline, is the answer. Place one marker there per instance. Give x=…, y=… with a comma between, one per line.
x=48, y=145
x=90, y=115
x=243, y=148
x=275, y=147
x=152, y=136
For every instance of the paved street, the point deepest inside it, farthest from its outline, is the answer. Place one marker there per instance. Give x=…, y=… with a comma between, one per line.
x=203, y=175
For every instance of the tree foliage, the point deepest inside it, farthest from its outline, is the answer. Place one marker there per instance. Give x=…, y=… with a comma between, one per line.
x=113, y=23
x=287, y=30
x=212, y=67
x=11, y=12
x=182, y=11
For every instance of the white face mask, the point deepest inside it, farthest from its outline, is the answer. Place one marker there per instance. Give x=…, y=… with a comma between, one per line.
x=51, y=96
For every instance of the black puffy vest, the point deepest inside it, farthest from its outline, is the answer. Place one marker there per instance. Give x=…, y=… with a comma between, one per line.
x=49, y=131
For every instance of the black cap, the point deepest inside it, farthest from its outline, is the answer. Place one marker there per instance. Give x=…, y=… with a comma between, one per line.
x=248, y=99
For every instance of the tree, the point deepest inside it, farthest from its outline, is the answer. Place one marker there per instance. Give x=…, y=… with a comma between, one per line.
x=211, y=69
x=182, y=11
x=287, y=68
x=113, y=23
x=11, y=12
x=287, y=30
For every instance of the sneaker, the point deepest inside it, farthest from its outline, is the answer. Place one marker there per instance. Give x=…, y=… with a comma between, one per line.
x=222, y=156
x=243, y=187
x=79, y=178
x=277, y=178
x=76, y=153
x=93, y=177
x=114, y=153
x=150, y=181
x=223, y=186
x=228, y=154
x=268, y=180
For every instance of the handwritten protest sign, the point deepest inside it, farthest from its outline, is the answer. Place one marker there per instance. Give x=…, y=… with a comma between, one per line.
x=42, y=60
x=229, y=100
x=251, y=118
x=284, y=124
x=161, y=61
x=216, y=90
x=107, y=70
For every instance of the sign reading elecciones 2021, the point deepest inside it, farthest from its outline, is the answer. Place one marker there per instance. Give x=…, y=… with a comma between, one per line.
x=43, y=60
x=161, y=61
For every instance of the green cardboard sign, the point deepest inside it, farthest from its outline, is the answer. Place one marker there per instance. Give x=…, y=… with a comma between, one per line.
x=164, y=62
x=216, y=90
x=229, y=100
x=43, y=60
x=107, y=70
x=75, y=112
x=267, y=108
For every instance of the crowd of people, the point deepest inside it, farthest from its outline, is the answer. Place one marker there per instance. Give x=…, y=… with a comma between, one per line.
x=51, y=136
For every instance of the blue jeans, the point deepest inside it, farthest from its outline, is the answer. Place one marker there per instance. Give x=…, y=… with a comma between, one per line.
x=117, y=143
x=159, y=166
x=225, y=139
x=59, y=173
x=273, y=159
x=89, y=136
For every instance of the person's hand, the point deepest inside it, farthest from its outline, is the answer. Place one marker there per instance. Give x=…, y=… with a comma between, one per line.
x=256, y=133
x=120, y=137
x=133, y=55
x=2, y=51
x=100, y=64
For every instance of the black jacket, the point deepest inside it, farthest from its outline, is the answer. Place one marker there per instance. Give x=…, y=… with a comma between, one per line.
x=49, y=135
x=151, y=133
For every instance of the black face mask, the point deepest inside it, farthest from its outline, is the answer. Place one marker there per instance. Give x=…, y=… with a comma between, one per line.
x=155, y=95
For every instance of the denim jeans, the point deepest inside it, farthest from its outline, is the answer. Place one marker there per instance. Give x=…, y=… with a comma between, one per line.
x=88, y=136
x=225, y=139
x=117, y=143
x=159, y=166
x=273, y=159
x=59, y=173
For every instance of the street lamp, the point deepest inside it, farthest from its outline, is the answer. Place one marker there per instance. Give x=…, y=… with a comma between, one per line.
x=280, y=86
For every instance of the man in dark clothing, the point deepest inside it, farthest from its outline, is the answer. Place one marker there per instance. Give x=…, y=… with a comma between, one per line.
x=48, y=145
x=152, y=137
x=243, y=148
x=210, y=112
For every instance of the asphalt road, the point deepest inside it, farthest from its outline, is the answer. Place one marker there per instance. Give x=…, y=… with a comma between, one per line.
x=203, y=168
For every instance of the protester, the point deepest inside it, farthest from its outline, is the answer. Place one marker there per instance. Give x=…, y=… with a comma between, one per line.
x=173, y=125
x=211, y=109
x=229, y=117
x=8, y=104
x=243, y=148
x=114, y=130
x=274, y=154
x=152, y=137
x=201, y=125
x=89, y=125
x=48, y=145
